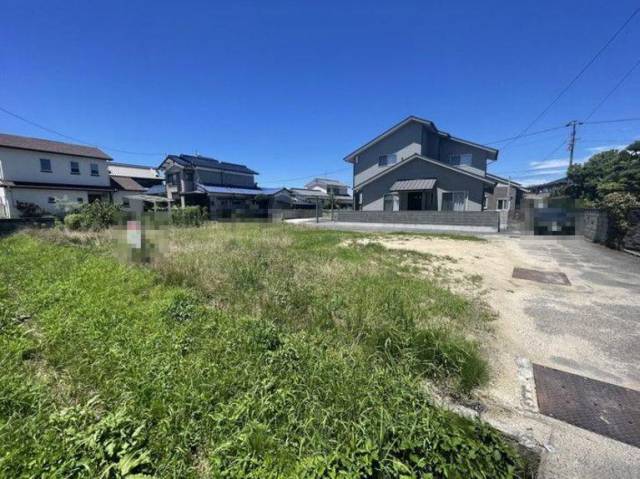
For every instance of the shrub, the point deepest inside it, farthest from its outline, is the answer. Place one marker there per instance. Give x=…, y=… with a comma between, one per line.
x=94, y=216
x=618, y=206
x=29, y=210
x=73, y=221
x=188, y=216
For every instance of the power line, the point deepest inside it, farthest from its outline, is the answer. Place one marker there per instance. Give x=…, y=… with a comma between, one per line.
x=526, y=135
x=73, y=138
x=575, y=78
x=622, y=120
x=308, y=176
x=613, y=90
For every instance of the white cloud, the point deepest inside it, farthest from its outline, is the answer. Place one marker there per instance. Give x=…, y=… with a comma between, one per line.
x=537, y=179
x=598, y=149
x=549, y=164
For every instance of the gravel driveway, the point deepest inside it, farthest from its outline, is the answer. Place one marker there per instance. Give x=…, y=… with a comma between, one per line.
x=590, y=328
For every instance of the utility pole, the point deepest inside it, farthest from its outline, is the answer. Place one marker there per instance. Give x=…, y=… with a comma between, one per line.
x=572, y=139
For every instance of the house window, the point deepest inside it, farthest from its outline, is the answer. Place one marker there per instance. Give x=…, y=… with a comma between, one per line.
x=80, y=200
x=188, y=176
x=386, y=160
x=503, y=205
x=75, y=168
x=51, y=200
x=95, y=171
x=45, y=165
x=390, y=202
x=460, y=160
x=125, y=202
x=454, y=201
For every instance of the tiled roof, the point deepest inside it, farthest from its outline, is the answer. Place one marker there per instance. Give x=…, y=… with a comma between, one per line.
x=205, y=162
x=49, y=146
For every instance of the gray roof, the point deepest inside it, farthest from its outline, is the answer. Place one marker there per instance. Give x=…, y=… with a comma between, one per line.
x=49, y=146
x=326, y=181
x=206, y=162
x=414, y=185
x=238, y=191
x=350, y=157
x=305, y=193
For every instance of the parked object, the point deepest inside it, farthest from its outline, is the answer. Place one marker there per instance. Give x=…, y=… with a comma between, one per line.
x=416, y=166
x=51, y=177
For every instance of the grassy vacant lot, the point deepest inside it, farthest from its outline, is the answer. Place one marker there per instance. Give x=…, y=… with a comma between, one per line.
x=241, y=351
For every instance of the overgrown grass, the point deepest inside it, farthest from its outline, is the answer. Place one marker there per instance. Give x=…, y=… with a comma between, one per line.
x=308, y=365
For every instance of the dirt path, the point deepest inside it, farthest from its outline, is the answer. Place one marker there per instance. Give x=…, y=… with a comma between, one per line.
x=590, y=328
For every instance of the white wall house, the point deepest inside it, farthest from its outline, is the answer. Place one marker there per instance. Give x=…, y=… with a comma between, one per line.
x=50, y=175
x=135, y=185
x=339, y=190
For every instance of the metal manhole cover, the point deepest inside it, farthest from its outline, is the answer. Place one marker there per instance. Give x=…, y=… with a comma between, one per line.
x=599, y=407
x=548, y=277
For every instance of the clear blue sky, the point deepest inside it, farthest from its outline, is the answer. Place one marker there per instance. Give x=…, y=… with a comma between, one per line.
x=289, y=88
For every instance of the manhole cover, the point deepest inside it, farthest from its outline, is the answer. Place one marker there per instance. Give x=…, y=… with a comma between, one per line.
x=603, y=408
x=541, y=276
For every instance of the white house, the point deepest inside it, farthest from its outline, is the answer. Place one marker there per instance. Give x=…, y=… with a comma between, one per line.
x=333, y=188
x=136, y=185
x=38, y=174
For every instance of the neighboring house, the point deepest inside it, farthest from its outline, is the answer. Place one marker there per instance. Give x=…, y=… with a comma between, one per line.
x=333, y=188
x=507, y=195
x=135, y=186
x=225, y=189
x=38, y=174
x=415, y=166
x=307, y=198
x=550, y=187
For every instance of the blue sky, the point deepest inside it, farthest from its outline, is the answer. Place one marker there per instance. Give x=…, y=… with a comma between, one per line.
x=289, y=88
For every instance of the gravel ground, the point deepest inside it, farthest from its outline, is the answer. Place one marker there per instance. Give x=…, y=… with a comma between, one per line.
x=590, y=328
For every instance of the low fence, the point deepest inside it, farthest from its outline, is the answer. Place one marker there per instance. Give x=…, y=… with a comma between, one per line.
x=455, y=219
x=10, y=225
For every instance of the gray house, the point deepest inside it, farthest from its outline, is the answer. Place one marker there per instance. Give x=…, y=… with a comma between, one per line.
x=225, y=189
x=507, y=195
x=416, y=166
x=334, y=189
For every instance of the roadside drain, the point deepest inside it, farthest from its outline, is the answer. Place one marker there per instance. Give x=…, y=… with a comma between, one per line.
x=599, y=407
x=548, y=277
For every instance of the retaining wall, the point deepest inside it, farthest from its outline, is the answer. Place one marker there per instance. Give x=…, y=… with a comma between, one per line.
x=478, y=219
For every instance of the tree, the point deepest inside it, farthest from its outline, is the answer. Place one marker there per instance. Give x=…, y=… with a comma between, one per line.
x=612, y=171
x=611, y=181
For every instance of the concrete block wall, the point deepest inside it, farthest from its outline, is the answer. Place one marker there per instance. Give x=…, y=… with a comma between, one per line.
x=488, y=219
x=594, y=225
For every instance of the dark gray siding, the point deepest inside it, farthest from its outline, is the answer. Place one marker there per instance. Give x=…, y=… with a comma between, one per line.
x=448, y=180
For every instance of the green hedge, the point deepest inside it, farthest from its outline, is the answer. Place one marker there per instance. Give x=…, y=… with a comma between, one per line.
x=188, y=216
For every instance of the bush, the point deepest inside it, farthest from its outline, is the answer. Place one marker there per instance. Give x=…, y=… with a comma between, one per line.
x=29, y=210
x=618, y=207
x=188, y=216
x=73, y=221
x=94, y=216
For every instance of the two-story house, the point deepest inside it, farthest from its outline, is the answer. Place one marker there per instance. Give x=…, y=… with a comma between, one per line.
x=225, y=189
x=333, y=189
x=415, y=166
x=49, y=176
x=136, y=186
